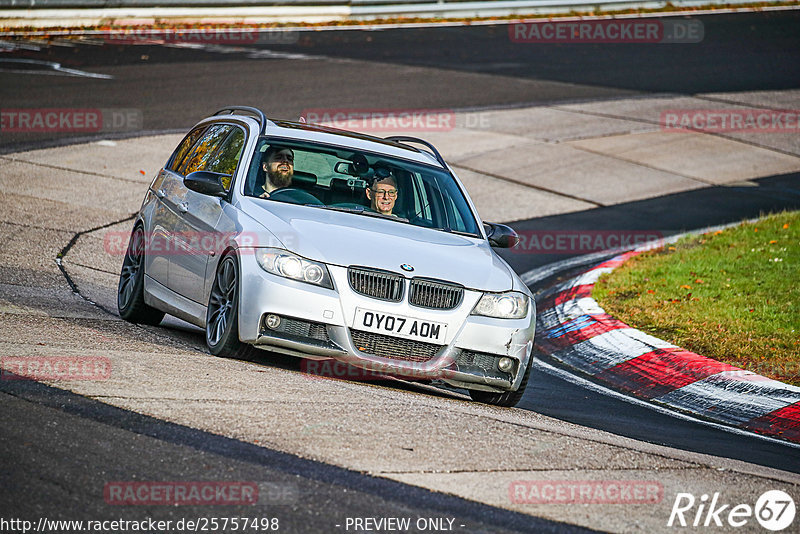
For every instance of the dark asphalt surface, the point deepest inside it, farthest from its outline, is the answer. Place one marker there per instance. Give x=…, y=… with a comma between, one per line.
x=667, y=215
x=59, y=449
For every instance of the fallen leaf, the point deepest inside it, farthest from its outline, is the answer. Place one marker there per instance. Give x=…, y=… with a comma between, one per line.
x=142, y=172
x=698, y=281
x=651, y=291
x=684, y=286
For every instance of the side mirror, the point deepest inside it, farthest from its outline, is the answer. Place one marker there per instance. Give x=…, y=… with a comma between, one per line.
x=501, y=236
x=206, y=183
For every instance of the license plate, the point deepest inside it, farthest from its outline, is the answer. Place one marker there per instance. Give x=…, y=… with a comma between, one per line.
x=399, y=325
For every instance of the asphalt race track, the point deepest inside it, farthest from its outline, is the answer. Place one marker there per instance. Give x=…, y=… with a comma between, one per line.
x=60, y=448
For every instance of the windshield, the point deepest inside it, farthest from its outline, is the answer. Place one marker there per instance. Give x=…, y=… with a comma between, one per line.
x=362, y=183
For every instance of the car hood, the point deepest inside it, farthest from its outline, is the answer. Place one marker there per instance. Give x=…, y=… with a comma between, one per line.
x=350, y=239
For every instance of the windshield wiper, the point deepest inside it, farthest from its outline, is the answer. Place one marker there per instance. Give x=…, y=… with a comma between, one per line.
x=458, y=232
x=336, y=208
x=369, y=213
x=361, y=211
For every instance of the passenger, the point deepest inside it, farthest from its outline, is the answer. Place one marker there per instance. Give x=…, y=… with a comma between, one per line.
x=278, y=166
x=383, y=194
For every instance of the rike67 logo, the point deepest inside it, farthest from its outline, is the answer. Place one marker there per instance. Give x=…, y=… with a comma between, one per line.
x=774, y=510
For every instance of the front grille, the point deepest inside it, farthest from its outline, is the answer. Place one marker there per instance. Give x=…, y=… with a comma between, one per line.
x=471, y=362
x=434, y=294
x=382, y=285
x=394, y=348
x=486, y=362
x=297, y=328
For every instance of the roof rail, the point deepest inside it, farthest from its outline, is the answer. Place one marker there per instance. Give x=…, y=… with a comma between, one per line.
x=407, y=139
x=231, y=110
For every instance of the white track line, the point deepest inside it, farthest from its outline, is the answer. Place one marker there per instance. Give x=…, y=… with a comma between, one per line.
x=52, y=69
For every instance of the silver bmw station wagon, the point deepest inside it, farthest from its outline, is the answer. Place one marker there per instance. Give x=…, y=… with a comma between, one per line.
x=329, y=244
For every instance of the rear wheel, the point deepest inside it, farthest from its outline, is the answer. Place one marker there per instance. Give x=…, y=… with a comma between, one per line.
x=222, y=314
x=130, y=291
x=507, y=399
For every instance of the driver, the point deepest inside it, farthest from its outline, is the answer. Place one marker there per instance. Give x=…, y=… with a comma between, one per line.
x=278, y=166
x=383, y=194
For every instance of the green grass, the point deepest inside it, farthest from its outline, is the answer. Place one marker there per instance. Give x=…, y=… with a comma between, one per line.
x=733, y=295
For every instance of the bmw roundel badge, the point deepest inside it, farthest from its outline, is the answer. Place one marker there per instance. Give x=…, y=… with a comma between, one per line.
x=406, y=267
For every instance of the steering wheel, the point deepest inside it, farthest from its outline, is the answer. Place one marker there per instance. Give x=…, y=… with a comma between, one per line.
x=294, y=195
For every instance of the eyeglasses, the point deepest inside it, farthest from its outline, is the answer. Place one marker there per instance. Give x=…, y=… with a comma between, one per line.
x=391, y=193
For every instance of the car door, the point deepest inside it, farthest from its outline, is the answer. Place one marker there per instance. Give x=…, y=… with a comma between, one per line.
x=195, y=237
x=163, y=218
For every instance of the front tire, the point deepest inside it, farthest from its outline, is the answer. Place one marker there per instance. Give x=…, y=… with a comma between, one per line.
x=507, y=399
x=222, y=313
x=130, y=290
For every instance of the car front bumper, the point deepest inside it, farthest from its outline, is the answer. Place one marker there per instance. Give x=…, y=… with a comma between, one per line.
x=319, y=323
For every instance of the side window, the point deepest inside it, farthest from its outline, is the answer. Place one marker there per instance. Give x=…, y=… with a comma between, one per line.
x=183, y=149
x=203, y=150
x=227, y=156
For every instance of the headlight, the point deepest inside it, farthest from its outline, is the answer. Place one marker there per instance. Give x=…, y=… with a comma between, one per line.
x=510, y=305
x=284, y=263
